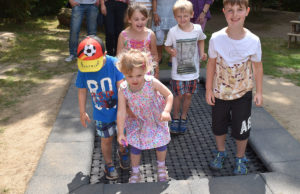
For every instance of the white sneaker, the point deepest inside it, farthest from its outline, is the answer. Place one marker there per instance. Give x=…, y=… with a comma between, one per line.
x=70, y=58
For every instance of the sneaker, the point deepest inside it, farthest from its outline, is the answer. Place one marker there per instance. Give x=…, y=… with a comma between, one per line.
x=111, y=172
x=174, y=126
x=135, y=177
x=183, y=126
x=217, y=163
x=241, y=166
x=162, y=174
x=124, y=159
x=70, y=58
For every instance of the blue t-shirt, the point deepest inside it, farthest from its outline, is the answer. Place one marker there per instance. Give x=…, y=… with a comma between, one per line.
x=102, y=86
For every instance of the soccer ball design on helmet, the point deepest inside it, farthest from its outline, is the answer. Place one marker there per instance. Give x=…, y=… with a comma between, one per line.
x=89, y=50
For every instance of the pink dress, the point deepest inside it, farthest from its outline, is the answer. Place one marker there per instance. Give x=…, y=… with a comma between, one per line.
x=142, y=45
x=145, y=131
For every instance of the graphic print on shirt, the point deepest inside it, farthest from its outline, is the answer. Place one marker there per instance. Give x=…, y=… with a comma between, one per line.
x=103, y=95
x=185, y=55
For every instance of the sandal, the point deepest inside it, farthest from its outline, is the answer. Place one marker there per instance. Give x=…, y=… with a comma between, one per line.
x=162, y=174
x=135, y=177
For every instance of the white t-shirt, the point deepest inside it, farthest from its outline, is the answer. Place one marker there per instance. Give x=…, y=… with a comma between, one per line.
x=233, y=74
x=185, y=66
x=235, y=51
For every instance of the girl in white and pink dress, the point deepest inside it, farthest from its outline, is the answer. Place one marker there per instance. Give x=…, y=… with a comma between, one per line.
x=150, y=103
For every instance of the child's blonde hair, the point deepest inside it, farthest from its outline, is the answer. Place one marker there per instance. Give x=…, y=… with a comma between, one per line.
x=132, y=59
x=236, y=2
x=137, y=7
x=183, y=5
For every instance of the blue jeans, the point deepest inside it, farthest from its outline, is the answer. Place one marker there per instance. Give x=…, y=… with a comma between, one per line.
x=78, y=12
x=114, y=24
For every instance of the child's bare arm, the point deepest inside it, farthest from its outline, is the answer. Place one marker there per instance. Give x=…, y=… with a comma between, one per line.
x=121, y=116
x=210, y=72
x=171, y=51
x=154, y=54
x=120, y=45
x=162, y=89
x=81, y=102
x=258, y=74
x=201, y=45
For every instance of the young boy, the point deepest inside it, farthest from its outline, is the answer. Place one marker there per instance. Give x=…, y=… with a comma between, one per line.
x=98, y=73
x=234, y=52
x=182, y=44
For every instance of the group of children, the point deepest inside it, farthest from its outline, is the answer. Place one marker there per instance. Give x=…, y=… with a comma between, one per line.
x=128, y=101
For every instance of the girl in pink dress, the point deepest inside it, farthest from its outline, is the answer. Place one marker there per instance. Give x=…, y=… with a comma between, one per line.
x=138, y=36
x=150, y=102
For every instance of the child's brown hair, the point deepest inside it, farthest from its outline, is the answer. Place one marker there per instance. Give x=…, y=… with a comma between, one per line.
x=132, y=59
x=183, y=5
x=137, y=7
x=236, y=2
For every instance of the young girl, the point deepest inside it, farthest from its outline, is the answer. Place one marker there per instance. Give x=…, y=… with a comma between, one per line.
x=137, y=35
x=150, y=101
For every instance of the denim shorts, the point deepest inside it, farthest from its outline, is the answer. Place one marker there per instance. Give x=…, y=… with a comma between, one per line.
x=106, y=130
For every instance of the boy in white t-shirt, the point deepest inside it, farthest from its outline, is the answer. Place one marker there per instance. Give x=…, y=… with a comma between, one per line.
x=182, y=44
x=234, y=60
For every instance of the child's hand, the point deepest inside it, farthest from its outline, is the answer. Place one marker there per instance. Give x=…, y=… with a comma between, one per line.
x=129, y=112
x=173, y=52
x=204, y=57
x=258, y=99
x=210, y=98
x=165, y=116
x=122, y=139
x=83, y=118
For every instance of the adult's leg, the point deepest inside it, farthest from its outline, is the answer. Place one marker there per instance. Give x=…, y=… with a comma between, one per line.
x=91, y=18
x=120, y=10
x=76, y=20
x=109, y=27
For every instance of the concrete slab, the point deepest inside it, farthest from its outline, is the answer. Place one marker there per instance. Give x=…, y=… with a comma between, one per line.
x=57, y=184
x=65, y=159
x=174, y=187
x=290, y=168
x=248, y=184
x=275, y=145
x=70, y=130
x=262, y=120
x=69, y=108
x=280, y=183
x=90, y=189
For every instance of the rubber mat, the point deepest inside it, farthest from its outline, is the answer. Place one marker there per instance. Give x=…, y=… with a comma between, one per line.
x=188, y=155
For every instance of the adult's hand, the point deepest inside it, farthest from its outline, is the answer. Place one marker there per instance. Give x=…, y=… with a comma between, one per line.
x=73, y=3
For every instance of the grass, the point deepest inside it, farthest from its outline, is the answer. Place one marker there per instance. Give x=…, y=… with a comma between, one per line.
x=36, y=54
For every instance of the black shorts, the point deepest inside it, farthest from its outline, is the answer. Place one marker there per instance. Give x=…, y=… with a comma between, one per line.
x=237, y=113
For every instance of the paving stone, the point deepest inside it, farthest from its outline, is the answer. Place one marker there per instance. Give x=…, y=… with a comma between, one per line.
x=71, y=130
x=65, y=159
x=280, y=183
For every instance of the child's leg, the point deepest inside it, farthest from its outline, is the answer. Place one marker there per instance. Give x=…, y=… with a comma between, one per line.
x=159, y=52
x=241, y=148
x=162, y=174
x=220, y=141
x=186, y=104
x=135, y=157
x=106, y=148
x=176, y=106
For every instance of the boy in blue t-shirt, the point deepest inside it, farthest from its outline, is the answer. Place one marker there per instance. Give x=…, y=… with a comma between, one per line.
x=98, y=73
